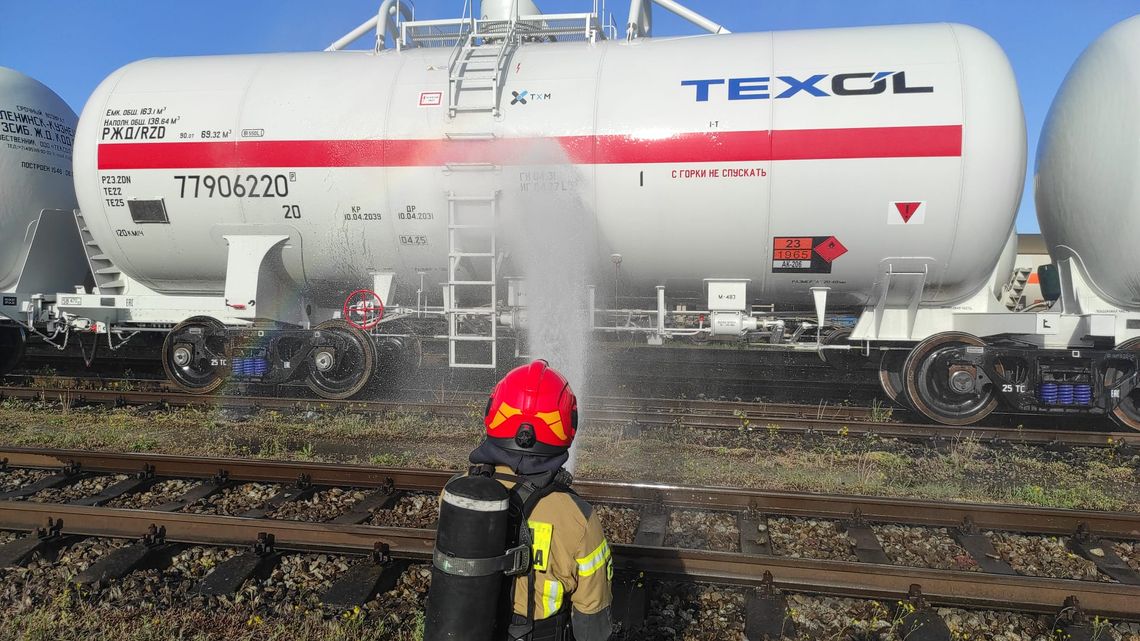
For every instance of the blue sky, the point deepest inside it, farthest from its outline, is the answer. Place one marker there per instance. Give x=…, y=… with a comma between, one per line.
x=79, y=42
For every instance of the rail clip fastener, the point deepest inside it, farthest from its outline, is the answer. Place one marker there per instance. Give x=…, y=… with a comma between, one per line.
x=1072, y=624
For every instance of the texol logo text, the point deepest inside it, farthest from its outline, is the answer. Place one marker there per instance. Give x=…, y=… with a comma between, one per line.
x=866, y=83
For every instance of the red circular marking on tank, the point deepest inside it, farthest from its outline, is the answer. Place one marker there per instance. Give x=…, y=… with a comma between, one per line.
x=363, y=309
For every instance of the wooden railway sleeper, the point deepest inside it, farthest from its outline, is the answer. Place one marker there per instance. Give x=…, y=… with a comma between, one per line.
x=631, y=601
x=754, y=535
x=299, y=491
x=1100, y=552
x=256, y=562
x=374, y=575
x=384, y=498
x=137, y=482
x=653, y=526
x=150, y=551
x=203, y=490
x=980, y=548
x=867, y=547
x=918, y=621
x=44, y=542
x=68, y=474
x=766, y=614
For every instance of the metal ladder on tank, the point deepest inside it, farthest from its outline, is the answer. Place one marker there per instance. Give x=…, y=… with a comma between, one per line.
x=476, y=65
x=108, y=278
x=479, y=213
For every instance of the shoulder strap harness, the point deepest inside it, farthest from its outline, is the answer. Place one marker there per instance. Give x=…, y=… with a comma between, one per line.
x=524, y=496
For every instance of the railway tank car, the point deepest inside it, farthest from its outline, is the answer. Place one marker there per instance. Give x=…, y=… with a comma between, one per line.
x=294, y=215
x=802, y=168
x=40, y=252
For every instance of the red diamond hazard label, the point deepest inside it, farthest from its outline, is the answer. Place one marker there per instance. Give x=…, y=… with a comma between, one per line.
x=830, y=249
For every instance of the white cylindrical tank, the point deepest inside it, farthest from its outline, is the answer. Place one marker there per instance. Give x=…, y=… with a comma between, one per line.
x=36, y=133
x=1088, y=166
x=793, y=159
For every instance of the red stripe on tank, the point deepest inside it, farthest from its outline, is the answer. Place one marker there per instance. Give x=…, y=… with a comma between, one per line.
x=734, y=146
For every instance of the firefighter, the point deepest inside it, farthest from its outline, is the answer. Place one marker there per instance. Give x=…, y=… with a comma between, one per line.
x=531, y=419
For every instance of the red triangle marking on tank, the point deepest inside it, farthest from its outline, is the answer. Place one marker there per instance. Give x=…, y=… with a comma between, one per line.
x=906, y=210
x=830, y=249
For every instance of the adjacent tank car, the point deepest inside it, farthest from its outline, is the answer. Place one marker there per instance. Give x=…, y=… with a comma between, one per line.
x=40, y=251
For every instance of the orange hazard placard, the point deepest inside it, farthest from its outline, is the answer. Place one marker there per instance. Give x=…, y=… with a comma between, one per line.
x=805, y=254
x=791, y=254
x=799, y=242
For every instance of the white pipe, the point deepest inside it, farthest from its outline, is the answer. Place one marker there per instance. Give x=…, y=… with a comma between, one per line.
x=633, y=25
x=660, y=309
x=692, y=16
x=640, y=21
x=354, y=35
x=591, y=305
x=386, y=14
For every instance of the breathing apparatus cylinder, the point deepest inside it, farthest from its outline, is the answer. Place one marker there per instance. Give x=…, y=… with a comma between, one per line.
x=468, y=566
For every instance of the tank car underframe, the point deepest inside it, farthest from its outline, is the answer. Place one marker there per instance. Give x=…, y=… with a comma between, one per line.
x=941, y=382
x=336, y=359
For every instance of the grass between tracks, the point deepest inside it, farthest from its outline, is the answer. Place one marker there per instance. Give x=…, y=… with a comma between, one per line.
x=65, y=618
x=760, y=457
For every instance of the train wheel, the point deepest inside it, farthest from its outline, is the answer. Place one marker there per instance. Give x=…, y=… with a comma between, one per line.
x=1127, y=413
x=890, y=375
x=941, y=389
x=194, y=355
x=12, y=341
x=343, y=369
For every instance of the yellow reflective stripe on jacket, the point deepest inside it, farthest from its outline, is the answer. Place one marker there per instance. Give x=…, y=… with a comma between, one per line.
x=590, y=563
x=551, y=598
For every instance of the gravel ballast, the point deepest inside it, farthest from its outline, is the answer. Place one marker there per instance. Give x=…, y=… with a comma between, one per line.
x=410, y=510
x=810, y=539
x=1046, y=556
x=703, y=530
x=920, y=547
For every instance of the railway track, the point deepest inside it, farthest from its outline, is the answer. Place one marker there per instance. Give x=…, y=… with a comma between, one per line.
x=634, y=414
x=751, y=563
x=659, y=372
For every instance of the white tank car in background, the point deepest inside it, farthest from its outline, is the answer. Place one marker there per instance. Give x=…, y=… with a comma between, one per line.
x=40, y=251
x=1088, y=193
x=869, y=172
x=1088, y=174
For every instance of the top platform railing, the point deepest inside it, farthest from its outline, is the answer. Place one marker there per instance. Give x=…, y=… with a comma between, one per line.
x=547, y=27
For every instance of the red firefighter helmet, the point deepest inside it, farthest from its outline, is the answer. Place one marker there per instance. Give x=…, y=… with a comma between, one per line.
x=532, y=410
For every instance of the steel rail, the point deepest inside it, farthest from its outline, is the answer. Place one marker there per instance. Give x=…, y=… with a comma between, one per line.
x=828, y=577
x=986, y=516
x=737, y=418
